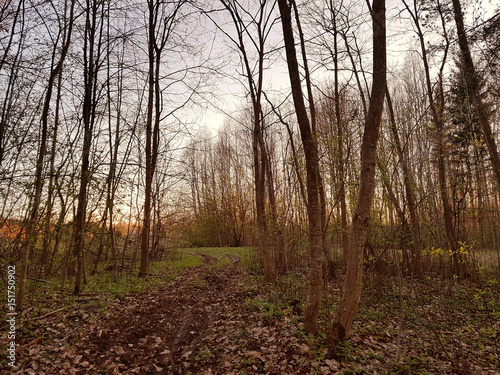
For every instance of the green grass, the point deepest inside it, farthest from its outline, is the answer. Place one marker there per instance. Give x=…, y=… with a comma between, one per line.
x=104, y=282
x=245, y=254
x=267, y=308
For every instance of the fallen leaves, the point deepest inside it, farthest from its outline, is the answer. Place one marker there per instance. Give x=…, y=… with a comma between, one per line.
x=211, y=321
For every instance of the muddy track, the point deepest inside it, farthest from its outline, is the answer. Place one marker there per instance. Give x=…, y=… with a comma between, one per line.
x=207, y=321
x=159, y=332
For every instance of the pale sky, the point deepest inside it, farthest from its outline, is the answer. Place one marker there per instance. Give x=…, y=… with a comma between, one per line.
x=229, y=94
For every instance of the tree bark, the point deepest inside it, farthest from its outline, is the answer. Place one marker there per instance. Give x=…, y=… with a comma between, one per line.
x=314, y=211
x=254, y=74
x=146, y=222
x=351, y=296
x=340, y=137
x=157, y=40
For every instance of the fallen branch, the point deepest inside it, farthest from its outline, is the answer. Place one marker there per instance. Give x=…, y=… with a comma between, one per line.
x=69, y=299
x=39, y=280
x=45, y=315
x=39, y=317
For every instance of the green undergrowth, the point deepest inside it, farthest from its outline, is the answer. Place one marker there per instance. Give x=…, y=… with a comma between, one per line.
x=403, y=326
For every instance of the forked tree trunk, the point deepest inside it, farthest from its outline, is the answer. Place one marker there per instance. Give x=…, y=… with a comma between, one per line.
x=351, y=294
x=254, y=74
x=160, y=28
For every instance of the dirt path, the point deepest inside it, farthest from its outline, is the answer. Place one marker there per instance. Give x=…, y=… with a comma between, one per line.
x=160, y=332
x=203, y=322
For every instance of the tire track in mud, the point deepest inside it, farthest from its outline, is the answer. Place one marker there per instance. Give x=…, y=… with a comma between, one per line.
x=159, y=332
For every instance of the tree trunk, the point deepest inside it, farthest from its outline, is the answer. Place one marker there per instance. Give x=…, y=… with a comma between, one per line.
x=146, y=223
x=113, y=151
x=254, y=74
x=47, y=238
x=474, y=91
x=157, y=40
x=90, y=54
x=351, y=295
x=340, y=134
x=314, y=211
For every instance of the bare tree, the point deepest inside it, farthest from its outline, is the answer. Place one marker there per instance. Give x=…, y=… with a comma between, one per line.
x=409, y=184
x=437, y=106
x=333, y=26
x=314, y=207
x=8, y=13
x=58, y=55
x=93, y=48
x=161, y=24
x=252, y=30
x=351, y=295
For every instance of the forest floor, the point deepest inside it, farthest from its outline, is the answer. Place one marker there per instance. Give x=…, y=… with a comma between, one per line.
x=221, y=319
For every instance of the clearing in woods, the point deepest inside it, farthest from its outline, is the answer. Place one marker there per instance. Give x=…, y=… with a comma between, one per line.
x=218, y=318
